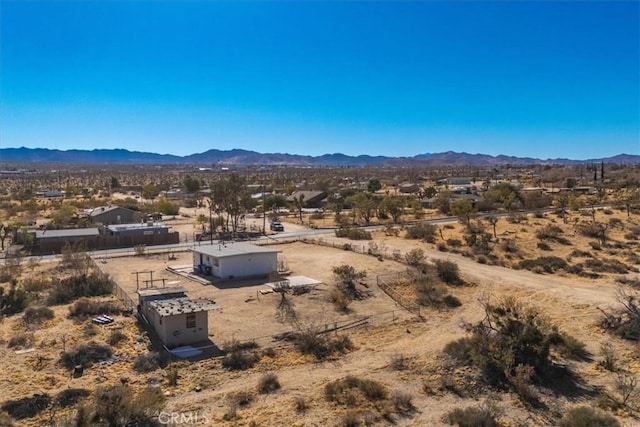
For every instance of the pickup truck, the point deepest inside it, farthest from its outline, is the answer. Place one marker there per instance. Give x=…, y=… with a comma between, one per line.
x=277, y=226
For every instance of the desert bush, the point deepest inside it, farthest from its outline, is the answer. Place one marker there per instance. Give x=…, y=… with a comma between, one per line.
x=146, y=362
x=353, y=233
x=346, y=277
x=585, y=416
x=85, y=307
x=239, y=360
x=415, y=257
x=172, y=376
x=70, y=396
x=335, y=391
x=351, y=419
x=596, y=246
x=626, y=384
x=85, y=355
x=471, y=417
x=27, y=407
x=442, y=247
x=35, y=284
x=511, y=346
x=551, y=232
x=90, y=329
x=21, y=340
x=448, y=272
x=607, y=265
x=581, y=254
x=116, y=337
x=268, y=383
x=140, y=249
x=609, y=358
x=454, y=243
x=398, y=362
x=340, y=300
x=310, y=341
x=572, y=348
x=118, y=406
x=300, y=403
x=548, y=264
x=634, y=283
x=66, y=290
x=509, y=246
x=402, y=401
x=544, y=246
x=423, y=231
x=13, y=301
x=624, y=321
x=37, y=314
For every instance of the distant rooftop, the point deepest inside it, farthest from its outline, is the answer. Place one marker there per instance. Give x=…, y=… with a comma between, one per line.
x=172, y=306
x=72, y=232
x=138, y=225
x=232, y=249
x=102, y=209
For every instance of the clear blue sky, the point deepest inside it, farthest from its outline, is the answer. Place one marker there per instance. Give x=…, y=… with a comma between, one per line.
x=543, y=79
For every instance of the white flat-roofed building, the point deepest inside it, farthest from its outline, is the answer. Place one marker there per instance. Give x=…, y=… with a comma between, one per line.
x=235, y=260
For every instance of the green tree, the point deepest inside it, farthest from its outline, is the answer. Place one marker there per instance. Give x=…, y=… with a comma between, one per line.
x=167, y=207
x=191, y=184
x=374, y=185
x=299, y=204
x=463, y=209
x=114, y=182
x=231, y=196
x=150, y=191
x=64, y=215
x=274, y=202
x=364, y=206
x=394, y=206
x=442, y=201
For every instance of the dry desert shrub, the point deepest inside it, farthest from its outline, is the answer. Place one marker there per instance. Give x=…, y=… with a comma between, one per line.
x=35, y=315
x=85, y=355
x=268, y=383
x=585, y=416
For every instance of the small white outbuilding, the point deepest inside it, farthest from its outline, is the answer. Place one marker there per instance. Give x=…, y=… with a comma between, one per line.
x=234, y=260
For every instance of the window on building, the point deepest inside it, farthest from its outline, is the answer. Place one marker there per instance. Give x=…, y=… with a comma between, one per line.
x=191, y=320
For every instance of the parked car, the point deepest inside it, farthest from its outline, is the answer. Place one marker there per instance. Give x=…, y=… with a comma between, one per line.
x=277, y=226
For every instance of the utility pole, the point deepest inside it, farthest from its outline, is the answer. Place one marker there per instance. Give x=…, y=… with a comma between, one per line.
x=210, y=220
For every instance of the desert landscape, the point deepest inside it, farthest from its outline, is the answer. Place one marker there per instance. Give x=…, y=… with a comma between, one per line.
x=379, y=341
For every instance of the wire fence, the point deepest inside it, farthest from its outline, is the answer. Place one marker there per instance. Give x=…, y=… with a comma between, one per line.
x=386, y=281
x=120, y=293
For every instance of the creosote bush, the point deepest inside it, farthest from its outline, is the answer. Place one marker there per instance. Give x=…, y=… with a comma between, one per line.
x=146, y=362
x=512, y=347
x=268, y=383
x=37, y=314
x=448, y=272
x=585, y=416
x=85, y=355
x=87, y=307
x=66, y=290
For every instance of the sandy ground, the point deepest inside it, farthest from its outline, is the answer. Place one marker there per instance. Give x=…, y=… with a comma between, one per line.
x=570, y=301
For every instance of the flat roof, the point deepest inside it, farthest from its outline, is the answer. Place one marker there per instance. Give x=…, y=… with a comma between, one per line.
x=71, y=232
x=149, y=292
x=230, y=249
x=135, y=226
x=173, y=306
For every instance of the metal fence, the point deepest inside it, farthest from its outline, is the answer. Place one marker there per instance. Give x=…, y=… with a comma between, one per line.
x=386, y=281
x=120, y=293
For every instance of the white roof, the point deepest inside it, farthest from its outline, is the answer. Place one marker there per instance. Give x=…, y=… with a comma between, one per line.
x=230, y=249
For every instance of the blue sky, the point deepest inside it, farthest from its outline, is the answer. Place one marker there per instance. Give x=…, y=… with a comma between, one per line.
x=543, y=79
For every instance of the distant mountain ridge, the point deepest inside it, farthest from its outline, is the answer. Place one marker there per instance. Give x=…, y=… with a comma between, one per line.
x=238, y=157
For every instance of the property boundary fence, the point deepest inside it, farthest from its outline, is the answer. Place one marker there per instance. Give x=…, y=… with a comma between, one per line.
x=120, y=293
x=385, y=282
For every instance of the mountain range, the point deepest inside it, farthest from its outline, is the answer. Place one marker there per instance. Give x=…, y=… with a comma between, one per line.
x=237, y=157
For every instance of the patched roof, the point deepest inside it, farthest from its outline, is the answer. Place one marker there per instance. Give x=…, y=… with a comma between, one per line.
x=173, y=306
